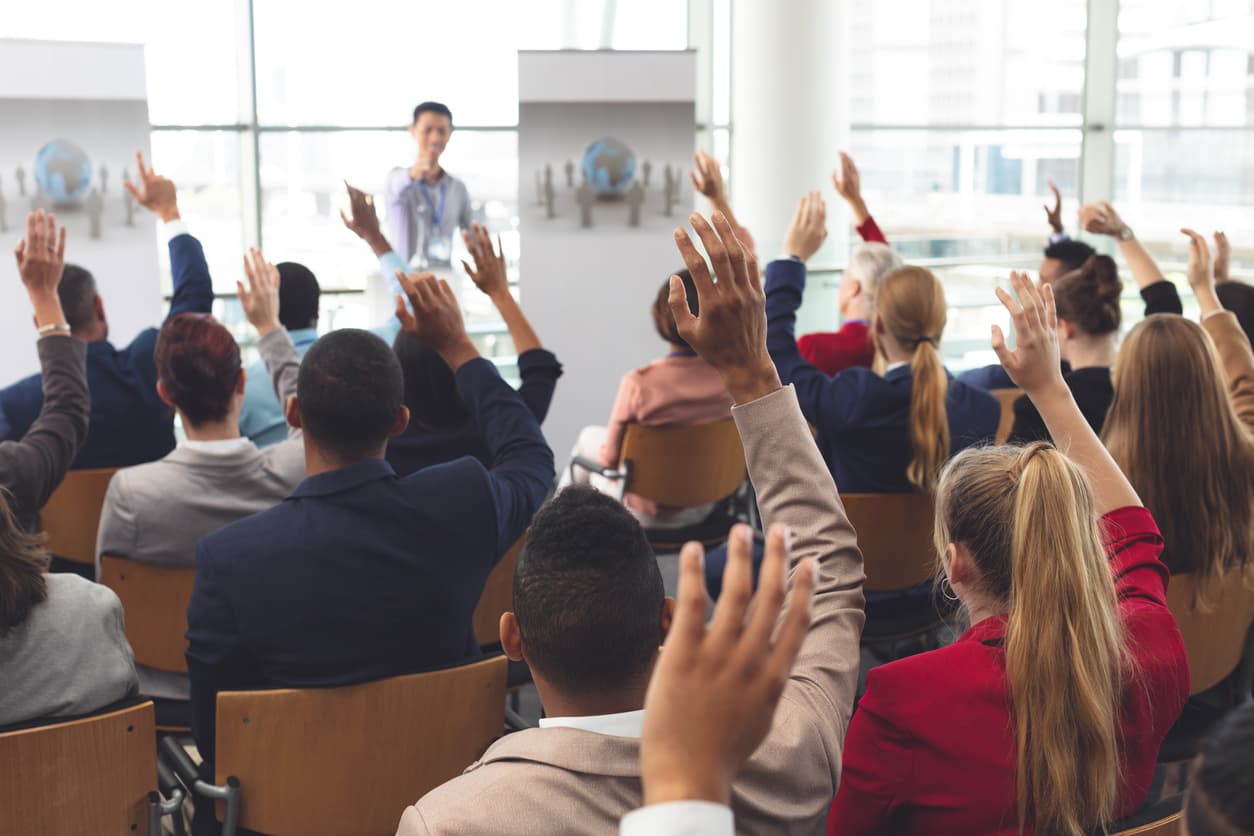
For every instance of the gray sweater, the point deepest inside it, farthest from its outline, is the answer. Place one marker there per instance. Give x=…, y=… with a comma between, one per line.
x=69, y=657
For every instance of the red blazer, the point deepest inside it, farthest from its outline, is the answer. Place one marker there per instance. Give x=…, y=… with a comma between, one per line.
x=931, y=748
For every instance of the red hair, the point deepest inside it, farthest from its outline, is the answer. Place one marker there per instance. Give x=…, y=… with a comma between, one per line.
x=198, y=363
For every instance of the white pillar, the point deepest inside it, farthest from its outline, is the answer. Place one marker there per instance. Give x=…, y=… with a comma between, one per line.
x=790, y=112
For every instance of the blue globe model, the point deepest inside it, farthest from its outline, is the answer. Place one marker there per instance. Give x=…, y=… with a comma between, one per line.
x=63, y=171
x=609, y=166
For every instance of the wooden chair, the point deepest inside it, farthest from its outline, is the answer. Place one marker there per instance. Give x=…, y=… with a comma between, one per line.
x=1162, y=818
x=340, y=761
x=71, y=516
x=497, y=597
x=682, y=467
x=91, y=775
x=1007, y=398
x=1171, y=825
x=154, y=599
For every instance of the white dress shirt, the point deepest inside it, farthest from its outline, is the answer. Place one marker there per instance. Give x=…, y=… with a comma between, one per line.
x=679, y=818
x=624, y=724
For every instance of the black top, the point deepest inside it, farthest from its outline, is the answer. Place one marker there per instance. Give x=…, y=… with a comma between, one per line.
x=1092, y=390
x=419, y=447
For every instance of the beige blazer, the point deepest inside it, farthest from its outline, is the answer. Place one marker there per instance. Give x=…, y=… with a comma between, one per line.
x=570, y=781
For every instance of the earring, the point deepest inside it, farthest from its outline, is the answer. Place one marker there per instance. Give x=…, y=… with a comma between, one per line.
x=947, y=590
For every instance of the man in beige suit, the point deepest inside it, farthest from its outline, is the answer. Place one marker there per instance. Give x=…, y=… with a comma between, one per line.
x=580, y=771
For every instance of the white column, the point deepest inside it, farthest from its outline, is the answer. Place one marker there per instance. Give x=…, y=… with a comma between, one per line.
x=1101, y=71
x=790, y=111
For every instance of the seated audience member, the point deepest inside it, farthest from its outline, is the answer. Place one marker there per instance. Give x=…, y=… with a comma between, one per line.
x=155, y=512
x=62, y=649
x=1088, y=333
x=359, y=575
x=852, y=345
x=440, y=428
x=1237, y=297
x=1057, y=698
x=1220, y=798
x=679, y=389
x=888, y=434
x=1180, y=427
x=590, y=612
x=261, y=418
x=32, y=466
x=129, y=423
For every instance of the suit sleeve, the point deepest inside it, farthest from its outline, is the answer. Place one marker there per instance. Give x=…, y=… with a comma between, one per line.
x=794, y=487
x=870, y=231
x=1237, y=360
x=32, y=468
x=620, y=416
x=398, y=194
x=193, y=287
x=117, y=534
x=283, y=365
x=1161, y=297
x=522, y=463
x=539, y=371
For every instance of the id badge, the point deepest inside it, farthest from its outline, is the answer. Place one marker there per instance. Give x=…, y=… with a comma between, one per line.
x=440, y=249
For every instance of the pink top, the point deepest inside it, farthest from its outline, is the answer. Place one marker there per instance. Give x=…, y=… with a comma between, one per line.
x=679, y=389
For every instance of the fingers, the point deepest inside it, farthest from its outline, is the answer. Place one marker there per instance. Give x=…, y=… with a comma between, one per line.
x=407, y=285
x=1029, y=299
x=770, y=595
x=678, y=301
x=1008, y=302
x=720, y=260
x=408, y=323
x=19, y=252
x=696, y=265
x=1051, y=308
x=729, y=614
x=696, y=184
x=145, y=173
x=136, y=193
x=732, y=246
x=474, y=276
x=688, y=626
x=1197, y=241
x=348, y=223
x=998, y=340
x=244, y=298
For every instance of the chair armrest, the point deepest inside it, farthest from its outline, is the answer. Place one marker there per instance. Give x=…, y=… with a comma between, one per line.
x=172, y=755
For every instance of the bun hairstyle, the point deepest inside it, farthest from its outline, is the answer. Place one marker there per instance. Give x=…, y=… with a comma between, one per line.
x=911, y=305
x=663, y=320
x=1088, y=298
x=1027, y=518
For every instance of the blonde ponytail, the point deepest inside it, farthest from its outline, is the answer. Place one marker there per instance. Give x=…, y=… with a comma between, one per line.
x=1026, y=516
x=911, y=304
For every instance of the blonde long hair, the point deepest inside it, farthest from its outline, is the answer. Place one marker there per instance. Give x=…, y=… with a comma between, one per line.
x=1175, y=433
x=910, y=302
x=1026, y=516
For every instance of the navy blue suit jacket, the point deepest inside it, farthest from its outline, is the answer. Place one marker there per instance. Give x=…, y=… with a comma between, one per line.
x=129, y=423
x=360, y=574
x=861, y=417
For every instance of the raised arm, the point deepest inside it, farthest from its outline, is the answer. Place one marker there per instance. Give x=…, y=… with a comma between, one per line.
x=1035, y=367
x=363, y=221
x=489, y=276
x=848, y=183
x=1230, y=339
x=794, y=488
x=33, y=467
x=260, y=301
x=1159, y=294
x=707, y=178
x=193, y=286
x=1053, y=215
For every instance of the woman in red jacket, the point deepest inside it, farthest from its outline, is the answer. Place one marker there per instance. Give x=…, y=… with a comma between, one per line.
x=1047, y=714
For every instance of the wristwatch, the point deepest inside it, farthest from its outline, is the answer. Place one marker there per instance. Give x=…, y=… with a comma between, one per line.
x=1125, y=233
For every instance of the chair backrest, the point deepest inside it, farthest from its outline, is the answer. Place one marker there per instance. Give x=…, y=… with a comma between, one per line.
x=1170, y=825
x=154, y=599
x=497, y=597
x=340, y=761
x=91, y=775
x=684, y=466
x=72, y=514
x=1161, y=818
x=895, y=536
x=1007, y=398
x=1214, y=636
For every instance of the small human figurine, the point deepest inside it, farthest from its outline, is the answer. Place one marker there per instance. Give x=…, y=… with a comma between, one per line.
x=550, y=196
x=104, y=179
x=21, y=181
x=128, y=203
x=95, y=208
x=668, y=188
x=570, y=175
x=647, y=170
x=586, y=198
x=635, y=197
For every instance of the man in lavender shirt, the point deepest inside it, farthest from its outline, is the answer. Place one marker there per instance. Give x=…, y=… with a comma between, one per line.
x=426, y=204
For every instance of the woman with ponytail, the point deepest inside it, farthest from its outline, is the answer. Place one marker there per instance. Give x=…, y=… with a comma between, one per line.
x=878, y=434
x=1047, y=714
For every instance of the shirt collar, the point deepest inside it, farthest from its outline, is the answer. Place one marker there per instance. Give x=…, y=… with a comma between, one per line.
x=625, y=724
x=344, y=479
x=219, y=446
x=892, y=367
x=302, y=336
x=990, y=630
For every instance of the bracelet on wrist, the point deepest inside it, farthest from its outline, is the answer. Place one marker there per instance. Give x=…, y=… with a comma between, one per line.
x=54, y=328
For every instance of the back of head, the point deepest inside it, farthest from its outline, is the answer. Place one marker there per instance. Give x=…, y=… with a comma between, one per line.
x=1170, y=389
x=438, y=108
x=1072, y=254
x=910, y=303
x=663, y=320
x=77, y=292
x=1238, y=297
x=22, y=564
x=198, y=364
x=588, y=595
x=870, y=262
x=299, y=294
x=350, y=391
x=1088, y=298
x=1220, y=800
x=430, y=387
x=1026, y=516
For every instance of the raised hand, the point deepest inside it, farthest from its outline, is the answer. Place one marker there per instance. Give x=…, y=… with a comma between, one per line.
x=260, y=300
x=1223, y=256
x=41, y=254
x=1101, y=218
x=707, y=177
x=714, y=691
x=1201, y=274
x=488, y=274
x=1034, y=365
x=848, y=183
x=364, y=221
x=1054, y=215
x=730, y=332
x=808, y=229
x=155, y=193
x=436, y=319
